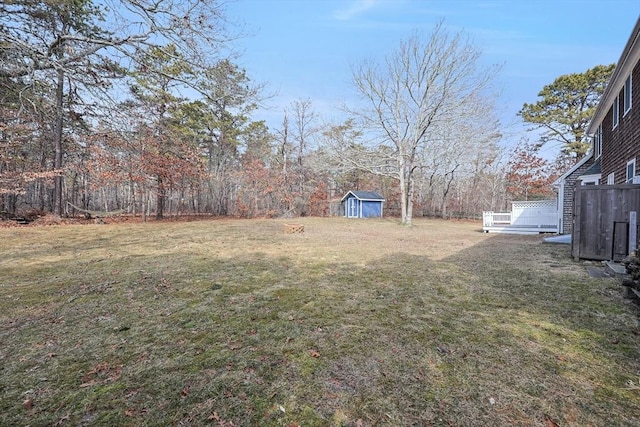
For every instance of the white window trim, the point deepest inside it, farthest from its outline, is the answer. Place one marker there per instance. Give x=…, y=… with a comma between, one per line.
x=590, y=179
x=616, y=112
x=611, y=179
x=597, y=142
x=626, y=107
x=629, y=163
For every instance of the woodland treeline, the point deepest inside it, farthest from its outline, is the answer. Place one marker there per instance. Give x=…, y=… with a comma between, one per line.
x=136, y=107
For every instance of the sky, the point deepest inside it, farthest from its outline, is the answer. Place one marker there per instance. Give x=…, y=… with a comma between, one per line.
x=305, y=49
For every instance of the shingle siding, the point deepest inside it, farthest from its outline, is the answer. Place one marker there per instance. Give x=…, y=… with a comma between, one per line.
x=622, y=144
x=569, y=187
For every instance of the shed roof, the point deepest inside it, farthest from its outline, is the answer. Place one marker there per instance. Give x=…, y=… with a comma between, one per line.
x=364, y=195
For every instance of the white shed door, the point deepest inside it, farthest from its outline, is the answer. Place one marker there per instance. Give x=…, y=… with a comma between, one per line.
x=352, y=208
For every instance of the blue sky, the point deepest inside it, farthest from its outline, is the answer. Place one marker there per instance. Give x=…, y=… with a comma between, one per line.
x=304, y=49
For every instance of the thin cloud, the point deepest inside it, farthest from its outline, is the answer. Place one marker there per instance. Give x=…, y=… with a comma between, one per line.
x=357, y=7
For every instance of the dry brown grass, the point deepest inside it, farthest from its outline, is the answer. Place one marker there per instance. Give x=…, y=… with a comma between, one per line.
x=234, y=322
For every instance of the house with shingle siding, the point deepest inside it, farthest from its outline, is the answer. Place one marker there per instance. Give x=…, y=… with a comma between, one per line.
x=614, y=131
x=615, y=126
x=565, y=186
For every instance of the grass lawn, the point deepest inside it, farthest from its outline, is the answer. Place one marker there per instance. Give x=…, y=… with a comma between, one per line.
x=353, y=323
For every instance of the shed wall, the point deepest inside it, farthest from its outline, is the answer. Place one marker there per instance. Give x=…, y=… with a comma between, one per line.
x=371, y=209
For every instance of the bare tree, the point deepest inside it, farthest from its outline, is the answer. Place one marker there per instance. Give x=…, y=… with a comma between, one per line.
x=303, y=131
x=420, y=99
x=303, y=121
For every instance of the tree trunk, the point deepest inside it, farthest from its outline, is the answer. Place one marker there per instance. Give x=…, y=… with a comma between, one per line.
x=132, y=199
x=406, y=204
x=410, y=184
x=57, y=137
x=144, y=201
x=160, y=199
x=445, y=192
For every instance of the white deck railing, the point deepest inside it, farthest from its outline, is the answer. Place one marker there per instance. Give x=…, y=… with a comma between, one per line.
x=490, y=219
x=541, y=215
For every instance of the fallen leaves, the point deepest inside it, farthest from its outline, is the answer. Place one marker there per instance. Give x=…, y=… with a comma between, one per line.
x=27, y=404
x=63, y=419
x=549, y=422
x=234, y=345
x=102, y=373
x=215, y=416
x=314, y=353
x=185, y=391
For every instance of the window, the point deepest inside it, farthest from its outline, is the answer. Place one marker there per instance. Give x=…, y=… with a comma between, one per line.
x=627, y=95
x=611, y=179
x=631, y=170
x=589, y=179
x=616, y=112
x=597, y=143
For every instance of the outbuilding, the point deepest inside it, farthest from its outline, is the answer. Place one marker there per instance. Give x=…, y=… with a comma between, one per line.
x=362, y=204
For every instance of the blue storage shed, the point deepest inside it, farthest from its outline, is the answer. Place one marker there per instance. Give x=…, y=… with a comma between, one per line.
x=362, y=204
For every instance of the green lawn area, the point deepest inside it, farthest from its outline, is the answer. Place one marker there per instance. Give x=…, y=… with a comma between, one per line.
x=353, y=323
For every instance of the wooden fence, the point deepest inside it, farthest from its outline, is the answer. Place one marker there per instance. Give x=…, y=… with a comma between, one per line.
x=601, y=221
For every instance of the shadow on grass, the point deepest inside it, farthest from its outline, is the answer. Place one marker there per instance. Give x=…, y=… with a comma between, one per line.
x=506, y=332
x=565, y=343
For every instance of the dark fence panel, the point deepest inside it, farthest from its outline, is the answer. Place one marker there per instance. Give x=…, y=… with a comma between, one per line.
x=601, y=220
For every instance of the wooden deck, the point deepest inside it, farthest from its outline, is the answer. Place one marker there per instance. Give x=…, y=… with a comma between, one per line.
x=532, y=217
x=520, y=229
